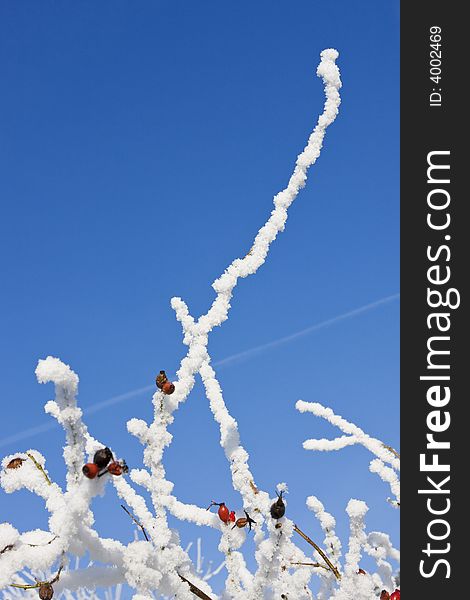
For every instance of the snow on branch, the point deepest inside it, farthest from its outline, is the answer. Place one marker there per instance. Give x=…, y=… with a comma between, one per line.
x=157, y=565
x=354, y=435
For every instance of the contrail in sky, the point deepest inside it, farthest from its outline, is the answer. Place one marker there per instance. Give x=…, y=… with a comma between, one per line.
x=240, y=356
x=303, y=332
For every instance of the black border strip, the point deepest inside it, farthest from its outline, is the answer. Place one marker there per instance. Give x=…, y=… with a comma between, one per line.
x=433, y=266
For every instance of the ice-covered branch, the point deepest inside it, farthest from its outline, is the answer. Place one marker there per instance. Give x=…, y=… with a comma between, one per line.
x=355, y=585
x=379, y=546
x=331, y=542
x=196, y=336
x=356, y=510
x=389, y=476
x=64, y=409
x=355, y=435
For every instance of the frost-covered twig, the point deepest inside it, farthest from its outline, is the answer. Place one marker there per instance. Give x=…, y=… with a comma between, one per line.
x=331, y=566
x=156, y=436
x=64, y=409
x=378, y=546
x=195, y=590
x=40, y=468
x=136, y=522
x=355, y=435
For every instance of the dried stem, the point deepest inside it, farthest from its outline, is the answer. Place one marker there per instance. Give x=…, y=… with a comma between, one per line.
x=136, y=522
x=390, y=449
x=39, y=467
x=320, y=552
x=46, y=544
x=56, y=578
x=38, y=583
x=195, y=590
x=304, y=564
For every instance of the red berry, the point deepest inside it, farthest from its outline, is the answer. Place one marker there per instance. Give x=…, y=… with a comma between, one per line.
x=223, y=513
x=395, y=595
x=90, y=470
x=384, y=595
x=117, y=468
x=15, y=463
x=361, y=572
x=114, y=468
x=231, y=516
x=168, y=388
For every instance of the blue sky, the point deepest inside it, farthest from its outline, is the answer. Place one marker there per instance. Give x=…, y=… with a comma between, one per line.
x=142, y=144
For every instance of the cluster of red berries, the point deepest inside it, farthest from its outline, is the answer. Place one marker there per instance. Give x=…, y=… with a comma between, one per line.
x=228, y=516
x=103, y=462
x=164, y=384
x=393, y=596
x=225, y=515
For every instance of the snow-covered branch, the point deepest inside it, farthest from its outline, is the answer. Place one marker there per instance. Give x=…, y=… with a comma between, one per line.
x=354, y=435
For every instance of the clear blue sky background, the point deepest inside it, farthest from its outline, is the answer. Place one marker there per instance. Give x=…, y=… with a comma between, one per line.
x=141, y=146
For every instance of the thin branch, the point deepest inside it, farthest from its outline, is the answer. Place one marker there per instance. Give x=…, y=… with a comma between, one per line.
x=56, y=578
x=136, y=522
x=39, y=467
x=390, y=449
x=195, y=590
x=46, y=544
x=305, y=564
x=320, y=552
x=38, y=583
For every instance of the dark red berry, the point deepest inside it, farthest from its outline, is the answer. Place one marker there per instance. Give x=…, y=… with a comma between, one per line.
x=384, y=595
x=118, y=468
x=46, y=591
x=102, y=457
x=15, y=463
x=241, y=522
x=168, y=388
x=114, y=468
x=90, y=470
x=278, y=509
x=161, y=379
x=244, y=521
x=164, y=384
